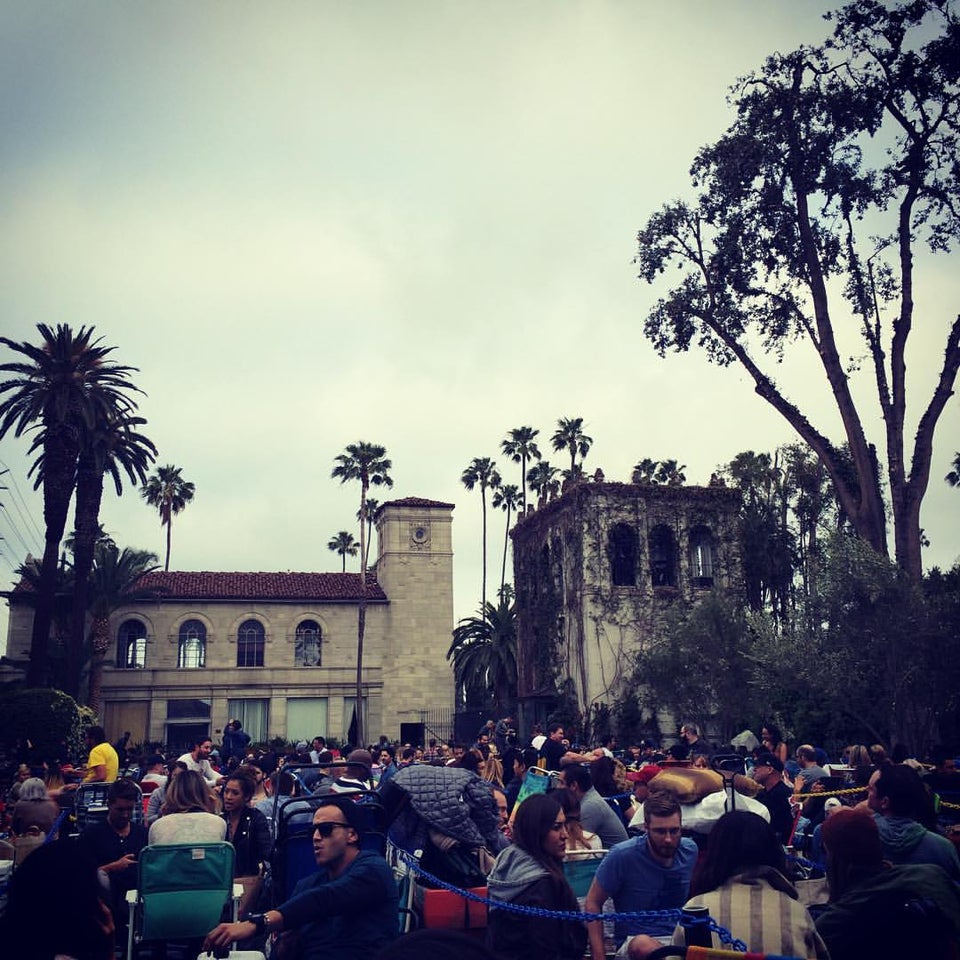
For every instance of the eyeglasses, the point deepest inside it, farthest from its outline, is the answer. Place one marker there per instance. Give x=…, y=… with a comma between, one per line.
x=325, y=829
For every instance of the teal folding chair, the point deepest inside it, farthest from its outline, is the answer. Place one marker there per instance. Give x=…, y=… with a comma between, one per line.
x=580, y=870
x=181, y=892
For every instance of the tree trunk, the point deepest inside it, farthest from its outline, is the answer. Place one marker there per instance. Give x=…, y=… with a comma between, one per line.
x=60, y=460
x=483, y=592
x=166, y=562
x=506, y=542
x=361, y=617
x=86, y=524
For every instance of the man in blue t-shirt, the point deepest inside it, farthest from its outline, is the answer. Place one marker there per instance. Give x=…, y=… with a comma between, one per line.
x=651, y=872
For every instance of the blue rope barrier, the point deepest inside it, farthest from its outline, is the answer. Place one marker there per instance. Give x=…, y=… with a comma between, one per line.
x=726, y=938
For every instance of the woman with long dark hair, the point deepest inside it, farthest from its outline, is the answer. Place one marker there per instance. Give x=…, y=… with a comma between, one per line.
x=531, y=873
x=741, y=881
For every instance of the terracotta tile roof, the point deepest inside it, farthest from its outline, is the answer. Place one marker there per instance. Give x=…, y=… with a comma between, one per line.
x=416, y=502
x=208, y=585
x=262, y=586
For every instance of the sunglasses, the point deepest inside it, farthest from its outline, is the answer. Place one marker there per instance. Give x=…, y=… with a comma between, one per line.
x=326, y=828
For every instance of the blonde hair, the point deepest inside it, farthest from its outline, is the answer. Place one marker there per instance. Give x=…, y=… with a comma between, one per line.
x=188, y=793
x=491, y=770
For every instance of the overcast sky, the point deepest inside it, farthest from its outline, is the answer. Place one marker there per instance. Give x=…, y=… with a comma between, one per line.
x=408, y=223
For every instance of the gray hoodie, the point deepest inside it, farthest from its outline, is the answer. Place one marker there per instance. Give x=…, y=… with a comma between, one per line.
x=514, y=871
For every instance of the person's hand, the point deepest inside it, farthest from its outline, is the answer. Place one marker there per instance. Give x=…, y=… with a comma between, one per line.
x=227, y=933
x=124, y=863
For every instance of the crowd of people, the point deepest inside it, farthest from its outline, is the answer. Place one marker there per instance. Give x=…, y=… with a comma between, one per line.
x=879, y=824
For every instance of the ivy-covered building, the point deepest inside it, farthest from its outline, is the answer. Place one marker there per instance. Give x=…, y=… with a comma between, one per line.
x=596, y=569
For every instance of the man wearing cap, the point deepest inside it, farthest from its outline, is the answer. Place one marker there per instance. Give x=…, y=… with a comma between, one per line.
x=768, y=772
x=356, y=775
x=346, y=910
x=641, y=790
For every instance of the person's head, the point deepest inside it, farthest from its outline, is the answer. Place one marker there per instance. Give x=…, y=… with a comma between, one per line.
x=501, y=800
x=318, y=744
x=337, y=830
x=555, y=731
x=661, y=817
x=202, y=748
x=576, y=778
x=897, y=791
x=95, y=735
x=878, y=754
x=689, y=732
x=771, y=734
x=852, y=844
x=175, y=768
x=188, y=793
x=571, y=810
x=64, y=876
x=608, y=740
x=523, y=760
x=738, y=841
x=639, y=781
x=806, y=755
x=122, y=799
x=33, y=788
x=602, y=773
x=156, y=763
x=540, y=830
x=359, y=763
x=387, y=755
x=858, y=755
x=768, y=770
x=239, y=789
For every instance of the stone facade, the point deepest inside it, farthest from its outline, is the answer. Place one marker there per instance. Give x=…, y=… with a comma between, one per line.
x=596, y=568
x=278, y=650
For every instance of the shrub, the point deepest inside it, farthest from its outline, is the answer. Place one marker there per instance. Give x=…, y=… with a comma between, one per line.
x=39, y=724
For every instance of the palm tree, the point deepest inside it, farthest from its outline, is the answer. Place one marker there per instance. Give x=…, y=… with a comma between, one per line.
x=670, y=473
x=344, y=544
x=644, y=472
x=569, y=436
x=506, y=498
x=368, y=463
x=542, y=479
x=482, y=472
x=953, y=477
x=520, y=446
x=169, y=493
x=65, y=386
x=484, y=653
x=115, y=580
x=372, y=507
x=113, y=445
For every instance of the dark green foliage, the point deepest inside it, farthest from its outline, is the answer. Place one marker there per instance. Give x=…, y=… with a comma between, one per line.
x=39, y=724
x=484, y=654
x=700, y=665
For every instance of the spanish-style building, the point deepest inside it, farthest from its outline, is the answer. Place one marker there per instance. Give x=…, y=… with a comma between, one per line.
x=278, y=650
x=596, y=568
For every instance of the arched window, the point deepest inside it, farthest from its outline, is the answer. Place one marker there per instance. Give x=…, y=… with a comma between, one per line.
x=131, y=645
x=307, y=651
x=663, y=557
x=623, y=555
x=250, y=638
x=192, y=650
x=701, y=556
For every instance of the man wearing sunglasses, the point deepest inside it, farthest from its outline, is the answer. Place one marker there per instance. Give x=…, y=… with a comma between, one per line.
x=344, y=911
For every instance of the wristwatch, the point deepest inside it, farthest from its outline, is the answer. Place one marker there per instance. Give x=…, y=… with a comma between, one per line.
x=260, y=921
